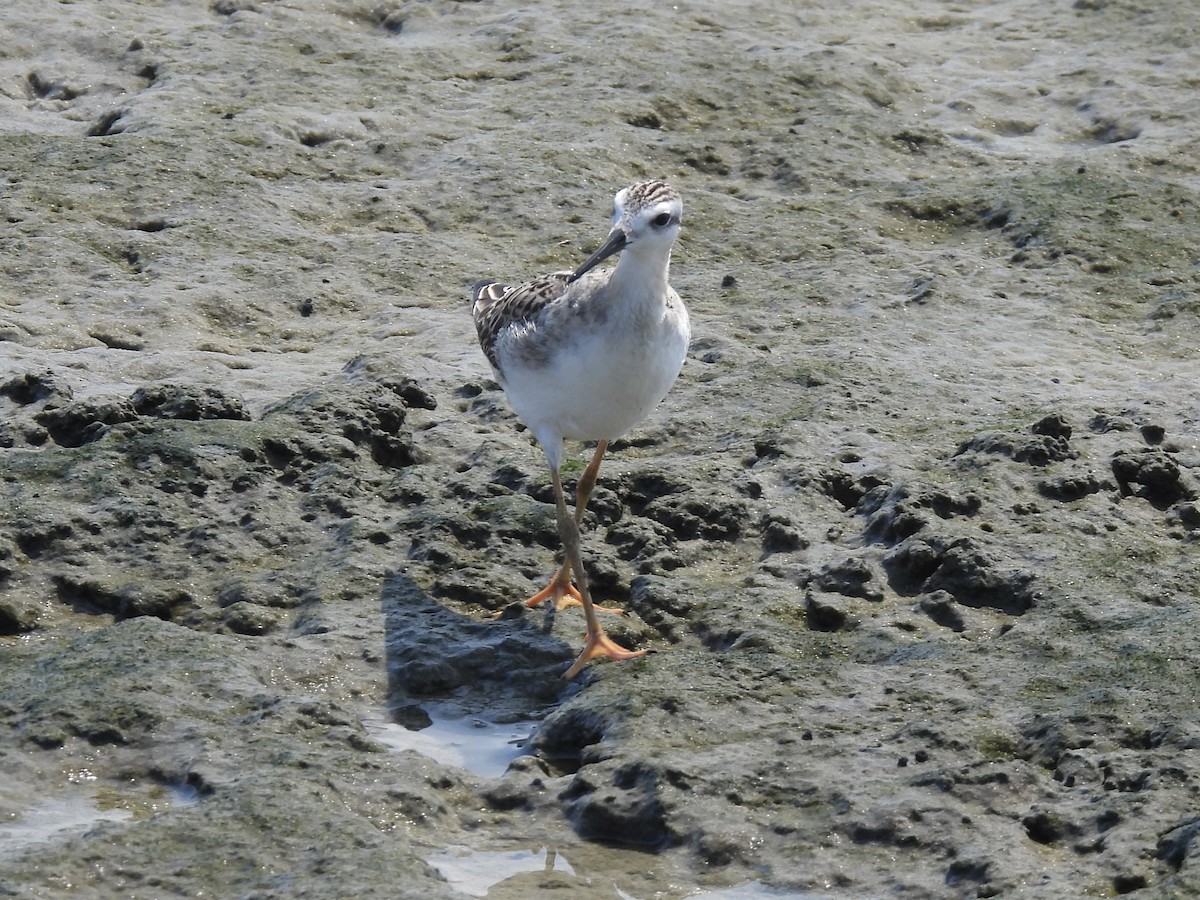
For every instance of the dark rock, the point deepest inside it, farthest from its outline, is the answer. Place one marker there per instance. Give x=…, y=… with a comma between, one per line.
x=895, y=513
x=1153, y=434
x=896, y=521
x=967, y=869
x=433, y=651
x=1069, y=486
x=413, y=395
x=1053, y=425
x=250, y=618
x=367, y=414
x=1046, y=442
x=472, y=584
x=392, y=451
x=1157, y=474
x=643, y=487
x=1045, y=827
x=883, y=827
x=627, y=811
x=910, y=563
x=1036, y=450
x=412, y=717
x=689, y=517
x=1102, y=423
x=822, y=614
x=84, y=421
x=517, y=517
x=121, y=601
x=662, y=603
x=969, y=574
x=715, y=848
x=843, y=487
x=780, y=535
x=1187, y=515
x=266, y=591
x=1179, y=844
x=851, y=578
x=567, y=735
x=170, y=401
x=963, y=570
x=38, y=539
x=16, y=616
x=1128, y=882
x=637, y=538
x=510, y=476
x=425, y=677
x=1050, y=742
x=34, y=387
x=507, y=795
x=8, y=551
x=604, y=506
x=941, y=608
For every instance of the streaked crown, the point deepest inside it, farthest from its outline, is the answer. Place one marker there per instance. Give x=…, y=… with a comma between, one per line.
x=648, y=210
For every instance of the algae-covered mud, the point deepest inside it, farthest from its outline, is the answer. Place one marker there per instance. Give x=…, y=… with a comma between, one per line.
x=913, y=541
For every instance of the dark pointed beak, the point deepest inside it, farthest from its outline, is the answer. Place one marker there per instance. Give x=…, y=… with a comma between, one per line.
x=615, y=243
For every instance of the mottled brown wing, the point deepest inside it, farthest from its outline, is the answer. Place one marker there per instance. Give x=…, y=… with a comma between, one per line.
x=496, y=306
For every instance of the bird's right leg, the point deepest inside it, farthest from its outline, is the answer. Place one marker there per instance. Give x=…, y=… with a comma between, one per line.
x=560, y=591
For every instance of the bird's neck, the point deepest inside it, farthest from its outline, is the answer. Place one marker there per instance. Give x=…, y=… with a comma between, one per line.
x=642, y=277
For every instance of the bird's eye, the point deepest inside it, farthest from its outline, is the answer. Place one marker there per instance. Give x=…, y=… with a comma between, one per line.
x=662, y=220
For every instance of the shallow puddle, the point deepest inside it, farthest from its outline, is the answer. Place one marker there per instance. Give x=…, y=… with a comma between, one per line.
x=481, y=747
x=55, y=819
x=520, y=871
x=590, y=871
x=475, y=872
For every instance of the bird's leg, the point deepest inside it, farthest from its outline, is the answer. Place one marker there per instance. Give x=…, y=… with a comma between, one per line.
x=597, y=643
x=560, y=591
x=587, y=481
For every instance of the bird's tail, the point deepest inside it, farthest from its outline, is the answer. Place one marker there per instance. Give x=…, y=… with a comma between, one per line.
x=485, y=293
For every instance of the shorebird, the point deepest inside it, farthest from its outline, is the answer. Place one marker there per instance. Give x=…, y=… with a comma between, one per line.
x=586, y=356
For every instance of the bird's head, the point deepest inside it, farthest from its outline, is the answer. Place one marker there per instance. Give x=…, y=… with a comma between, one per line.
x=646, y=217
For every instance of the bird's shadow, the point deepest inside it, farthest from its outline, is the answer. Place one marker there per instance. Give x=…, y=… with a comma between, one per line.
x=497, y=669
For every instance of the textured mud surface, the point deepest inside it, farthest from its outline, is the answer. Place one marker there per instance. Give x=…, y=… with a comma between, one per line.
x=913, y=540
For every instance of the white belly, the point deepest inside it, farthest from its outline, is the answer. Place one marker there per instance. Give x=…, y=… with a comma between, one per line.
x=601, y=389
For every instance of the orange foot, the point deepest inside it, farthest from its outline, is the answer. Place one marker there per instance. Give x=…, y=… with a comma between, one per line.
x=600, y=644
x=563, y=594
x=560, y=592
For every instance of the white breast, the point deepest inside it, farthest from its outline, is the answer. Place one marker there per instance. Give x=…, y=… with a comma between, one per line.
x=602, y=387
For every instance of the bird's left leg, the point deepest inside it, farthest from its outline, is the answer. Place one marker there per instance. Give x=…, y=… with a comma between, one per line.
x=598, y=643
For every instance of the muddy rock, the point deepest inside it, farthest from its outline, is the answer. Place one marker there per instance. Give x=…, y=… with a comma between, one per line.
x=1152, y=474
x=171, y=401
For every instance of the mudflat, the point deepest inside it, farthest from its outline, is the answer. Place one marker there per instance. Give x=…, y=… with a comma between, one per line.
x=913, y=539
